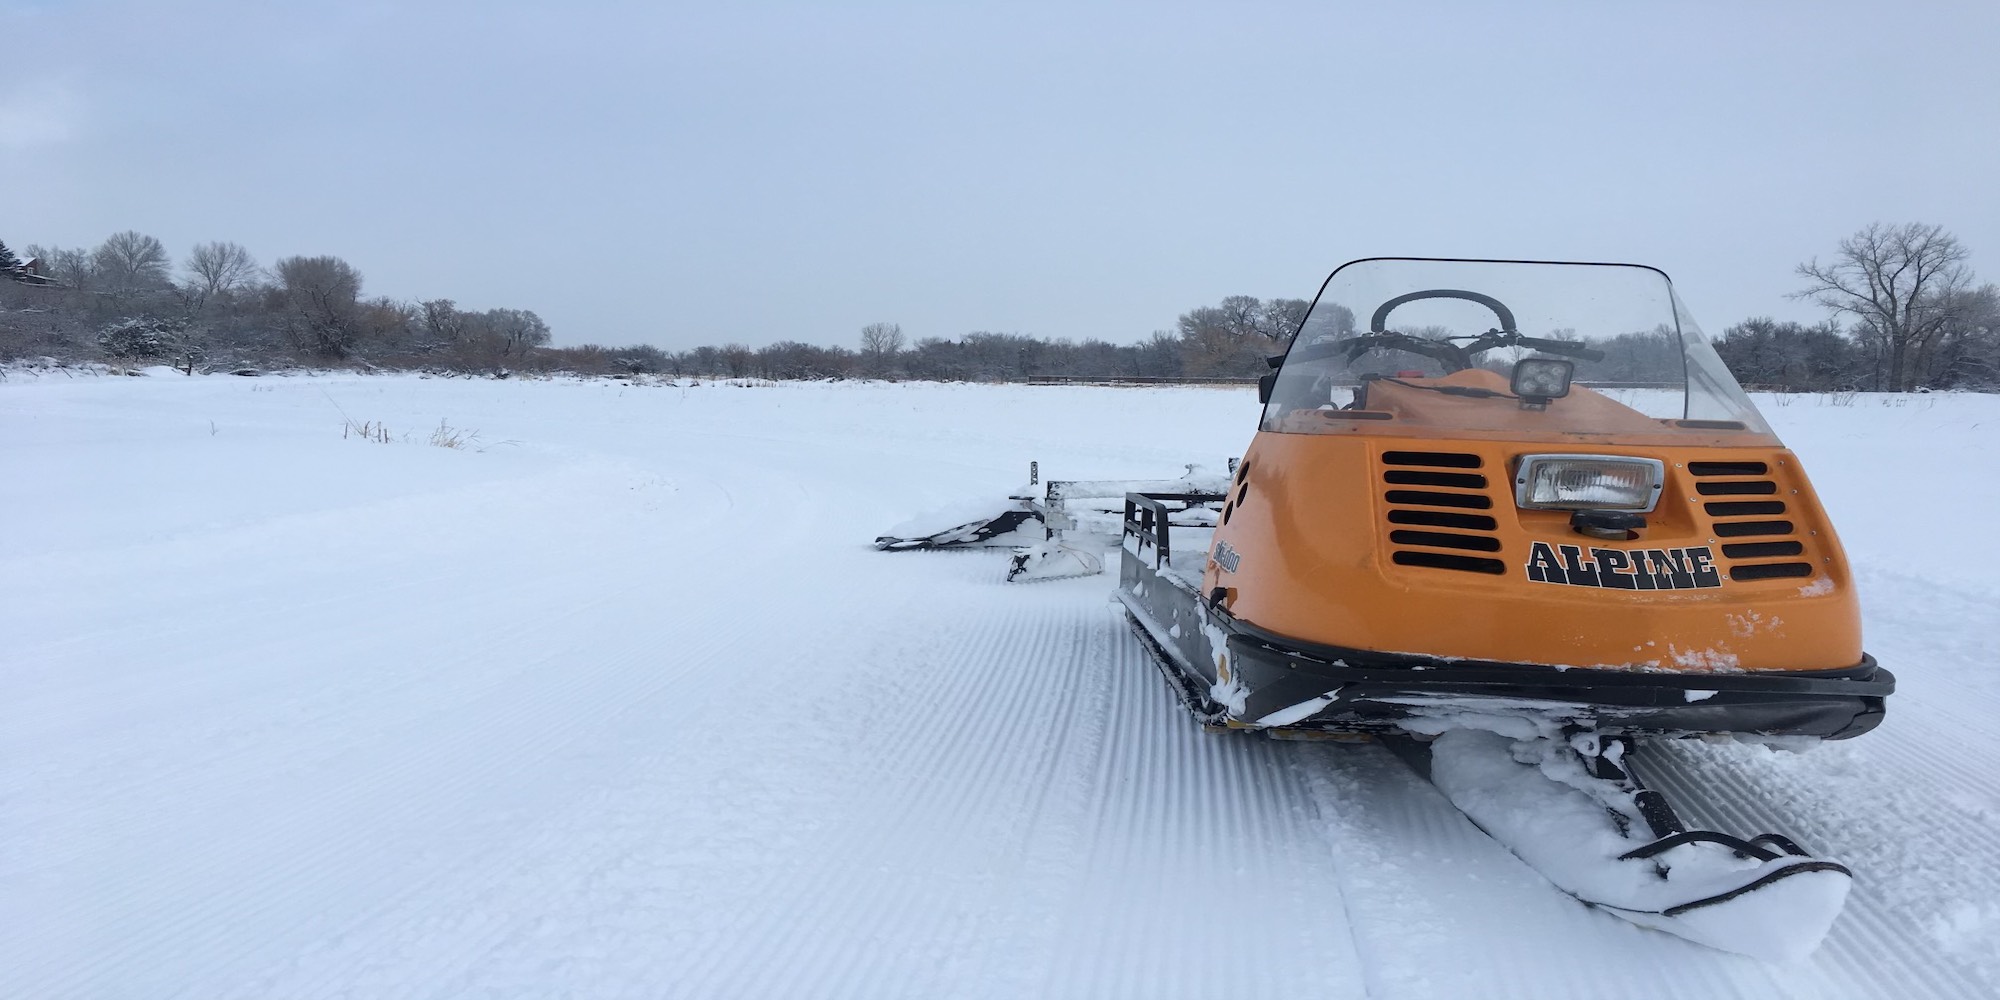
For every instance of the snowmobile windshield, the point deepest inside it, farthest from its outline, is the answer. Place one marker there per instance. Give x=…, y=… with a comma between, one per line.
x=1423, y=347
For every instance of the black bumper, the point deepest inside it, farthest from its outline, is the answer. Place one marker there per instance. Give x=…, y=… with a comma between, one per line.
x=1376, y=690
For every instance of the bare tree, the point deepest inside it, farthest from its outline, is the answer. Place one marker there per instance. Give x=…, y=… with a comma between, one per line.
x=1280, y=319
x=217, y=268
x=1232, y=338
x=517, y=329
x=880, y=343
x=1211, y=340
x=1900, y=283
x=385, y=322
x=442, y=321
x=1968, y=355
x=881, y=339
x=130, y=261
x=736, y=359
x=705, y=360
x=1159, y=356
x=322, y=303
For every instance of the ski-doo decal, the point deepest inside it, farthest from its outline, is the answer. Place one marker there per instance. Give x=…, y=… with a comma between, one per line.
x=1226, y=557
x=1624, y=569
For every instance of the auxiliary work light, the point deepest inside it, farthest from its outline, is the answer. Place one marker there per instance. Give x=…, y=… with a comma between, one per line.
x=1538, y=380
x=1589, y=482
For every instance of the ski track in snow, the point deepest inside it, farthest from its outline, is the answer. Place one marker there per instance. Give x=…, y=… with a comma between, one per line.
x=626, y=707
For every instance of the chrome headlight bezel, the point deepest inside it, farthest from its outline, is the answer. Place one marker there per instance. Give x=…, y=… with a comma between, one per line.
x=1529, y=471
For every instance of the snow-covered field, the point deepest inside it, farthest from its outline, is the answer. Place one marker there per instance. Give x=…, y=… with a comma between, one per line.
x=617, y=702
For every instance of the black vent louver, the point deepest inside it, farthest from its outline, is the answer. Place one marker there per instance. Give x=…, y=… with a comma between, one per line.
x=1434, y=504
x=1741, y=500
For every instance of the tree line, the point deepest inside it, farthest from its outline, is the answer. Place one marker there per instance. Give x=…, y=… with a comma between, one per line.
x=1905, y=312
x=125, y=301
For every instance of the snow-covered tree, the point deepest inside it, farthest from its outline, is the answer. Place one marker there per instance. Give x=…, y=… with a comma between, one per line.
x=140, y=337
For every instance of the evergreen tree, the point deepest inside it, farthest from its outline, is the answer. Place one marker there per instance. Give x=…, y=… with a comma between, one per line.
x=8, y=262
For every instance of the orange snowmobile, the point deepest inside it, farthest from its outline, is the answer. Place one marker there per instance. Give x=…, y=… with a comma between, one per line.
x=1521, y=519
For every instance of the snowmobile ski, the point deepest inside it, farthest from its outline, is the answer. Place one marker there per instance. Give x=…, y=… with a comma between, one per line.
x=1569, y=806
x=975, y=532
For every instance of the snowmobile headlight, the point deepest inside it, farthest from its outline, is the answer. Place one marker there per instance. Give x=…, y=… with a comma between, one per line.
x=1589, y=482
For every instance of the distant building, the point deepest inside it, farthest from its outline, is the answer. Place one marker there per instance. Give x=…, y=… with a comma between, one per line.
x=31, y=272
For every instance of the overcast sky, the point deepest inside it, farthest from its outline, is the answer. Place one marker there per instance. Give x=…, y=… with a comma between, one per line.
x=682, y=174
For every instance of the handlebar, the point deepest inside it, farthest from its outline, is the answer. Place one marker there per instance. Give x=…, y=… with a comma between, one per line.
x=1378, y=323
x=1454, y=357
x=1566, y=347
